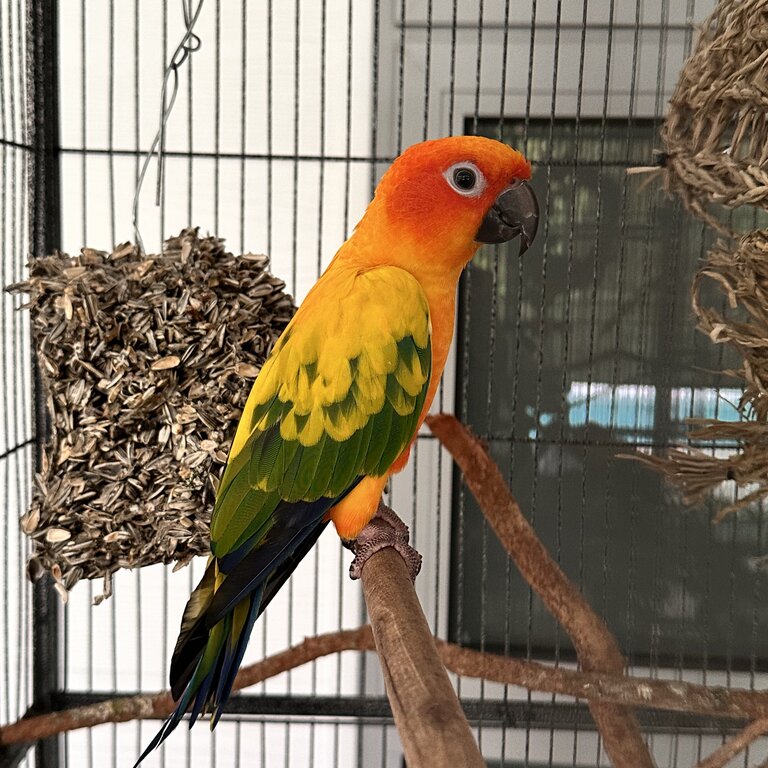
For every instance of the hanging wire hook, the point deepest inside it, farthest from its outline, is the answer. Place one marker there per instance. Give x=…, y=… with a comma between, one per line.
x=188, y=45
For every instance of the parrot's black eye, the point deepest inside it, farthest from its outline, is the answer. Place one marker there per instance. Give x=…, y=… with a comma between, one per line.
x=466, y=179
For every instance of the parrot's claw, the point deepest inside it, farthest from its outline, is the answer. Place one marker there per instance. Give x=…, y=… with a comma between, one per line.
x=386, y=529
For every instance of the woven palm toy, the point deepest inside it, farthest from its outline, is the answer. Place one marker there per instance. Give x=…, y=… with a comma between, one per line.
x=147, y=362
x=740, y=272
x=716, y=132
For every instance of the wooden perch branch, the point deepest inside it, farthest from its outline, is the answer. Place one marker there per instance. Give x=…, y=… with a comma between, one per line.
x=160, y=705
x=645, y=692
x=596, y=647
x=592, y=686
x=724, y=754
x=433, y=729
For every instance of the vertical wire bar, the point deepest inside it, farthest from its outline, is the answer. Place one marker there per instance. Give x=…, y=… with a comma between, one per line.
x=685, y=225
x=592, y=327
x=137, y=90
x=623, y=237
x=321, y=178
x=270, y=73
x=401, y=78
x=294, y=276
x=20, y=401
x=216, y=211
x=516, y=377
x=348, y=122
x=427, y=71
x=270, y=147
x=707, y=603
x=662, y=411
x=375, y=90
x=757, y=598
x=461, y=396
x=139, y=652
x=45, y=236
x=89, y=669
x=137, y=138
x=567, y=335
x=5, y=334
x=320, y=222
x=160, y=183
x=542, y=325
x=296, y=118
x=84, y=237
x=400, y=127
x=706, y=609
x=111, y=127
x=491, y=373
x=634, y=511
x=345, y=229
x=217, y=122
x=164, y=640
x=162, y=216
x=452, y=76
x=188, y=731
x=84, y=119
x=28, y=404
x=441, y=386
x=414, y=459
x=706, y=612
x=607, y=527
x=731, y=597
x=507, y=561
x=270, y=192
x=190, y=141
x=243, y=129
x=113, y=664
x=462, y=392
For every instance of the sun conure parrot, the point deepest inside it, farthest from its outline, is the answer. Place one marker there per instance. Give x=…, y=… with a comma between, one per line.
x=336, y=406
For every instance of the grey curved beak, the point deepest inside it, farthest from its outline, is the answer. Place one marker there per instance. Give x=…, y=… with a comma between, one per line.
x=514, y=212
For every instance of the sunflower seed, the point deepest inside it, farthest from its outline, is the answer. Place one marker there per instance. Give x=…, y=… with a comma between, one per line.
x=56, y=535
x=137, y=356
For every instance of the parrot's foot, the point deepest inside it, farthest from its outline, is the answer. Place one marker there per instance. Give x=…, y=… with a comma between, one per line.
x=385, y=529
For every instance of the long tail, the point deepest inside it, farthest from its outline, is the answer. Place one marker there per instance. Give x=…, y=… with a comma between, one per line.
x=206, y=659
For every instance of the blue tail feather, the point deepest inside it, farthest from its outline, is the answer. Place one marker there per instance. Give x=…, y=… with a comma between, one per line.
x=256, y=576
x=232, y=661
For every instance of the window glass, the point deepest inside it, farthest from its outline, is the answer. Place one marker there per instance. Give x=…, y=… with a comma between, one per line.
x=580, y=352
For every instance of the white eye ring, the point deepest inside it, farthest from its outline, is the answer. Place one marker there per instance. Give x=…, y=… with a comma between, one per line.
x=458, y=175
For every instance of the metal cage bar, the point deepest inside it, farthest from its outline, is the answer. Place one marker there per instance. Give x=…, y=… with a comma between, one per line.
x=45, y=236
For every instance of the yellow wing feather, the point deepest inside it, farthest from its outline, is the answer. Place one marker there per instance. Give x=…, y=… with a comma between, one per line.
x=339, y=397
x=346, y=317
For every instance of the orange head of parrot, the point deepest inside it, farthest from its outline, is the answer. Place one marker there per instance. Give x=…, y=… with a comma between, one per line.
x=447, y=196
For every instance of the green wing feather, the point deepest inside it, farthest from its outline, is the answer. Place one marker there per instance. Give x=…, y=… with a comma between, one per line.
x=340, y=397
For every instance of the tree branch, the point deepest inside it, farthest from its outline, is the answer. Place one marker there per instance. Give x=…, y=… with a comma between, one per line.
x=596, y=647
x=645, y=692
x=160, y=705
x=592, y=686
x=433, y=729
x=720, y=757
